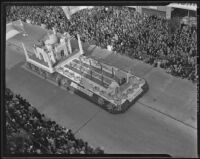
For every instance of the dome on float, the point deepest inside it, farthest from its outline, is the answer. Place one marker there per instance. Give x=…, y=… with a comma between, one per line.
x=52, y=39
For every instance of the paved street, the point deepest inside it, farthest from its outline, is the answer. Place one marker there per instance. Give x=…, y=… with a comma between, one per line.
x=142, y=129
x=167, y=94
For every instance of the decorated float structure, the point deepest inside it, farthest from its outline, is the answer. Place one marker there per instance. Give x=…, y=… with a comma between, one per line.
x=109, y=87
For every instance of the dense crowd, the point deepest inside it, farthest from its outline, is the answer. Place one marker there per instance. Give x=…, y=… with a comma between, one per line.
x=29, y=132
x=152, y=39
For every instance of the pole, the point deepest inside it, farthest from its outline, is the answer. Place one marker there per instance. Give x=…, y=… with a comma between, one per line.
x=67, y=35
x=80, y=45
x=69, y=45
x=65, y=48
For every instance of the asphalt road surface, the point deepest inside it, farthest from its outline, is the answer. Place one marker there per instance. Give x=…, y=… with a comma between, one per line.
x=163, y=121
x=139, y=130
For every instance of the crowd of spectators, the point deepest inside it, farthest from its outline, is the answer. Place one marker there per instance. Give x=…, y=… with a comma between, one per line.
x=152, y=39
x=29, y=132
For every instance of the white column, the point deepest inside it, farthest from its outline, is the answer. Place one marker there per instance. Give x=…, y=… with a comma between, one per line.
x=38, y=50
x=67, y=36
x=49, y=61
x=128, y=75
x=44, y=54
x=25, y=51
x=69, y=45
x=35, y=51
x=52, y=56
x=36, y=54
x=79, y=44
x=65, y=49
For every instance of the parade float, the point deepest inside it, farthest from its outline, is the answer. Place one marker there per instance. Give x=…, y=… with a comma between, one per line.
x=111, y=88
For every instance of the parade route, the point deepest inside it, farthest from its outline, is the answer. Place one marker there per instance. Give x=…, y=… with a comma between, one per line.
x=139, y=130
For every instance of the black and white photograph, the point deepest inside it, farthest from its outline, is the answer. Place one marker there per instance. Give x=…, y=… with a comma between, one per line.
x=100, y=79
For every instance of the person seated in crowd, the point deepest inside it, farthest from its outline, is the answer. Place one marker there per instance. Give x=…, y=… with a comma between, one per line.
x=28, y=131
